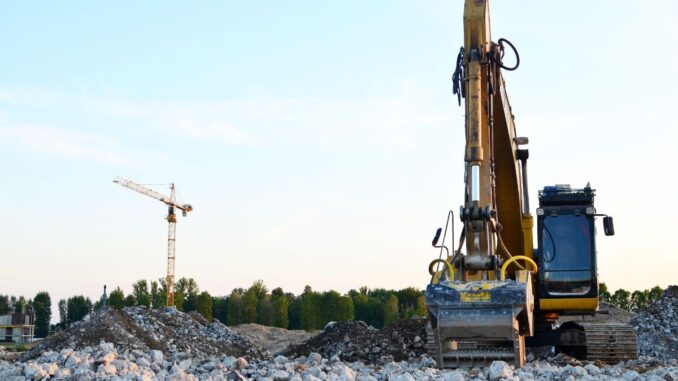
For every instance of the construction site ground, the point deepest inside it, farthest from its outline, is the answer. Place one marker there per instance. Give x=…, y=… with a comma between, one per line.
x=165, y=344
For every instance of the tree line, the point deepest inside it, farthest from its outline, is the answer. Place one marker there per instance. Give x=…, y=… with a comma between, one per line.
x=309, y=310
x=631, y=301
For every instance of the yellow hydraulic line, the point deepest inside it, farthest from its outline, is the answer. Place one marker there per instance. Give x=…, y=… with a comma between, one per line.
x=450, y=269
x=513, y=259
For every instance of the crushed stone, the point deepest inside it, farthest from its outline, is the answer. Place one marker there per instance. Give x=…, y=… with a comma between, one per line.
x=177, y=335
x=657, y=326
x=354, y=341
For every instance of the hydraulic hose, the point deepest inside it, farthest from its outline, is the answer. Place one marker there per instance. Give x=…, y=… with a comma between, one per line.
x=431, y=271
x=513, y=259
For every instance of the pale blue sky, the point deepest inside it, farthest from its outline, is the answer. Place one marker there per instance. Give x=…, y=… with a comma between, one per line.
x=319, y=142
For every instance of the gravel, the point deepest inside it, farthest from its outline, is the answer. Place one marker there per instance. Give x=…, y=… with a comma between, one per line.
x=657, y=326
x=105, y=362
x=355, y=341
x=165, y=344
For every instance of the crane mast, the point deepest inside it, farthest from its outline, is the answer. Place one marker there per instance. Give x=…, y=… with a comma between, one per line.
x=171, y=230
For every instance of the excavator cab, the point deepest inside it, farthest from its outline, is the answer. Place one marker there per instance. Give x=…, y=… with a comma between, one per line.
x=566, y=254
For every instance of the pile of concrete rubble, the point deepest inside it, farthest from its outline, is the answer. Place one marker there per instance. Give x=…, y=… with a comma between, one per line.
x=165, y=344
x=355, y=341
x=657, y=326
x=177, y=335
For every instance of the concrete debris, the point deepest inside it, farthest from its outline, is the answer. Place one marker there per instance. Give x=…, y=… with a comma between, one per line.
x=165, y=344
x=657, y=326
x=355, y=341
x=169, y=335
x=105, y=362
x=500, y=370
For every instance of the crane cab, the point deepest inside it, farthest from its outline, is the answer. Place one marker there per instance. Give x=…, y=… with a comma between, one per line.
x=567, y=281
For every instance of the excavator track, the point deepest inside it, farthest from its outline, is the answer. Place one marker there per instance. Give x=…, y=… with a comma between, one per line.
x=609, y=342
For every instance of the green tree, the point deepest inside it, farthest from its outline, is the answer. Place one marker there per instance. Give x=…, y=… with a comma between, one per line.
x=116, y=299
x=259, y=289
x=156, y=300
x=19, y=305
x=329, y=305
x=162, y=293
x=622, y=299
x=265, y=310
x=249, y=306
x=179, y=300
x=130, y=300
x=43, y=313
x=141, y=293
x=4, y=305
x=654, y=294
x=310, y=309
x=186, y=292
x=421, y=306
x=638, y=300
x=362, y=307
x=220, y=308
x=235, y=309
x=380, y=293
x=376, y=311
x=391, y=310
x=204, y=305
x=408, y=299
x=257, y=304
x=77, y=307
x=294, y=311
x=280, y=308
x=63, y=313
x=345, y=310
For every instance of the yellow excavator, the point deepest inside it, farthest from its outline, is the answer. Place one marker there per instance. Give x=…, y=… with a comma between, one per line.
x=494, y=294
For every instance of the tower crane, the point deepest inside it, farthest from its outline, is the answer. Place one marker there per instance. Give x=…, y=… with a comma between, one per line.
x=172, y=221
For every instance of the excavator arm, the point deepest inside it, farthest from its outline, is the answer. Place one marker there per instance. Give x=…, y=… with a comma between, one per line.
x=496, y=178
x=481, y=307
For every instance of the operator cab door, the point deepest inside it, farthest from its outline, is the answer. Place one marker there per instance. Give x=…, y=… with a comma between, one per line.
x=566, y=254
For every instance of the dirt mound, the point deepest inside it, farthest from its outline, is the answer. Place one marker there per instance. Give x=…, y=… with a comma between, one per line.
x=657, y=326
x=354, y=341
x=606, y=312
x=273, y=339
x=175, y=333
